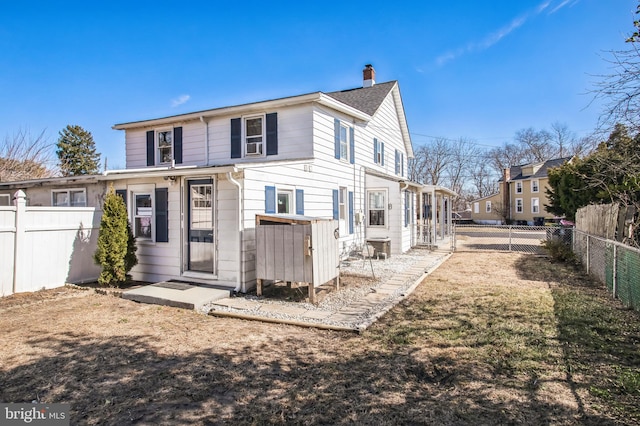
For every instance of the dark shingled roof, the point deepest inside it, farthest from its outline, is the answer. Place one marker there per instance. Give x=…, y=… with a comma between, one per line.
x=516, y=171
x=365, y=99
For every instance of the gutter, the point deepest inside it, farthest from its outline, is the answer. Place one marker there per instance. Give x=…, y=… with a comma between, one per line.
x=239, y=274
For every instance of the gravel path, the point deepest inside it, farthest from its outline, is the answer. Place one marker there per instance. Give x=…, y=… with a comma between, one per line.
x=337, y=307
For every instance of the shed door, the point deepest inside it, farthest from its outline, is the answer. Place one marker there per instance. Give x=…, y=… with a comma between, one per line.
x=201, y=231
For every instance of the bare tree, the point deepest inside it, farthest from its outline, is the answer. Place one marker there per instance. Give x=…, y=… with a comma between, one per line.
x=621, y=89
x=462, y=155
x=432, y=161
x=506, y=156
x=537, y=144
x=23, y=156
x=484, y=180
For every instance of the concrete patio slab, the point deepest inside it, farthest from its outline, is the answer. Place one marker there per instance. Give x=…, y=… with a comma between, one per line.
x=176, y=294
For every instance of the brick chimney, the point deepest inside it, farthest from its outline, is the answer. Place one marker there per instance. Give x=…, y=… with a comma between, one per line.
x=506, y=194
x=368, y=76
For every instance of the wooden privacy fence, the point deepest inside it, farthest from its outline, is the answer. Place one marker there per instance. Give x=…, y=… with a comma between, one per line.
x=46, y=247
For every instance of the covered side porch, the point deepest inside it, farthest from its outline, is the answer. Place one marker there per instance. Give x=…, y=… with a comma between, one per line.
x=434, y=219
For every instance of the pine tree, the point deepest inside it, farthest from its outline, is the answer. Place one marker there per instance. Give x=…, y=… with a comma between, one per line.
x=76, y=152
x=116, y=244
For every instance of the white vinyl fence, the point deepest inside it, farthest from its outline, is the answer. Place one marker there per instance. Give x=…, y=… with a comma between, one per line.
x=46, y=247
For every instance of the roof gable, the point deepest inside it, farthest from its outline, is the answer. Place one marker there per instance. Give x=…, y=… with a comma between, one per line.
x=365, y=99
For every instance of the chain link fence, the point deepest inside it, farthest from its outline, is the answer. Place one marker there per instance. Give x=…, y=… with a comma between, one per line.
x=525, y=239
x=612, y=263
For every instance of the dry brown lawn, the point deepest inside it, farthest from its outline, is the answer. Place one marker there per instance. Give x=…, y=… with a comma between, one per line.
x=488, y=338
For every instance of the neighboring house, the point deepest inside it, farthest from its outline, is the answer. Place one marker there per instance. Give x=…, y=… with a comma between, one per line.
x=194, y=182
x=521, y=198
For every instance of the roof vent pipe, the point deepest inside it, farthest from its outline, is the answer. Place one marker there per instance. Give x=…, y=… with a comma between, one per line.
x=368, y=76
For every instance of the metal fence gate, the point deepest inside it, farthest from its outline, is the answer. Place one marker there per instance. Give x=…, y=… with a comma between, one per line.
x=525, y=239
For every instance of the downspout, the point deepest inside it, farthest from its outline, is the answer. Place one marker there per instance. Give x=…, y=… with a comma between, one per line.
x=239, y=278
x=403, y=187
x=206, y=139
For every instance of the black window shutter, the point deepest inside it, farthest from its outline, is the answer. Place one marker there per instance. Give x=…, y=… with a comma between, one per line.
x=236, y=138
x=382, y=149
x=151, y=148
x=269, y=199
x=177, y=144
x=162, y=215
x=336, y=205
x=300, y=201
x=123, y=194
x=272, y=133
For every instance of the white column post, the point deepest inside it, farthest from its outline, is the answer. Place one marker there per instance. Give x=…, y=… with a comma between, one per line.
x=20, y=201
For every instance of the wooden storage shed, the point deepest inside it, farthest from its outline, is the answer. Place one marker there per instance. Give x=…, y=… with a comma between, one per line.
x=295, y=248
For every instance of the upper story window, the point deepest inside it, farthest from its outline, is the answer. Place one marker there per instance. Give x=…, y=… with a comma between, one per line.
x=518, y=187
x=399, y=163
x=5, y=200
x=344, y=139
x=69, y=198
x=344, y=143
x=488, y=207
x=378, y=152
x=165, y=145
x=535, y=185
x=254, y=135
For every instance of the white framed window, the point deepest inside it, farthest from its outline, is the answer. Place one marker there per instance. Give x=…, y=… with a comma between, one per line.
x=284, y=200
x=5, y=200
x=164, y=144
x=379, y=151
x=69, y=197
x=254, y=135
x=535, y=205
x=343, y=208
x=519, y=205
x=487, y=207
x=535, y=185
x=143, y=215
x=377, y=207
x=518, y=187
x=476, y=207
x=344, y=142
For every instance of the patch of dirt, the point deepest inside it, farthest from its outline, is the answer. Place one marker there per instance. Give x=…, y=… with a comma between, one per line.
x=474, y=344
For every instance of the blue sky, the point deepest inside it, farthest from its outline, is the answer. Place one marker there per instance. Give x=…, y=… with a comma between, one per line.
x=472, y=69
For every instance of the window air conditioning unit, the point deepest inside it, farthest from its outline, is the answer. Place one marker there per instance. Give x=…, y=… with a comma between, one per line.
x=254, y=148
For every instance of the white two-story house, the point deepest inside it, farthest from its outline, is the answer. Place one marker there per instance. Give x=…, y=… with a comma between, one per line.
x=194, y=182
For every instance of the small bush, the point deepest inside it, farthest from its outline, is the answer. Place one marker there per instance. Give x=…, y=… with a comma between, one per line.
x=559, y=250
x=116, y=244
